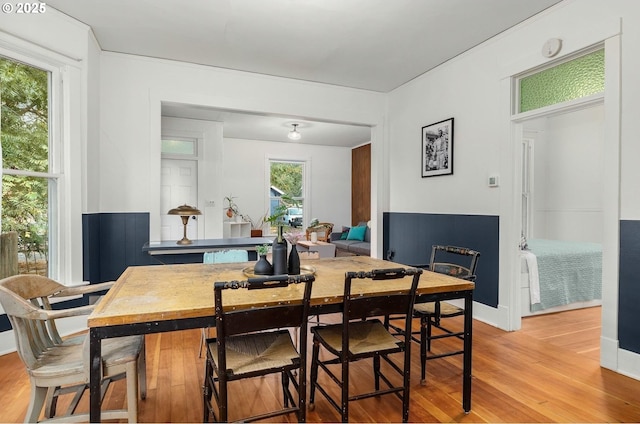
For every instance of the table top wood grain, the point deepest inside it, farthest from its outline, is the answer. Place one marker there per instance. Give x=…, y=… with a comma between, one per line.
x=170, y=292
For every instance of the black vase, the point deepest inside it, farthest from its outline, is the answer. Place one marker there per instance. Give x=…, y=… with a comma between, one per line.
x=263, y=267
x=294, y=261
x=279, y=254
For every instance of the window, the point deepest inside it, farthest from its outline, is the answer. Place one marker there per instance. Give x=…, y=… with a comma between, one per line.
x=287, y=186
x=574, y=79
x=29, y=178
x=179, y=146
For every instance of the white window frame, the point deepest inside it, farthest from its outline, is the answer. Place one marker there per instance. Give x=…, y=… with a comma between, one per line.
x=65, y=196
x=306, y=186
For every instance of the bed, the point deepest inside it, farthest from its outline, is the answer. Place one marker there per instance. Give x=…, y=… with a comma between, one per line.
x=559, y=275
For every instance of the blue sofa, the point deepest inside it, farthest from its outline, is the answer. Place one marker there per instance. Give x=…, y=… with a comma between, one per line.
x=352, y=247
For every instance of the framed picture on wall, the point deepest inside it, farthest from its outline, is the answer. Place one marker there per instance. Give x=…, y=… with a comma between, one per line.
x=437, y=149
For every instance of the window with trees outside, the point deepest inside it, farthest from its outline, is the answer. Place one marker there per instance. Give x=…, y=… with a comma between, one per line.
x=287, y=186
x=28, y=179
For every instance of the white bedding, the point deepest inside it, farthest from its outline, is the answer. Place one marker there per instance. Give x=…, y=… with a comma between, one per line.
x=533, y=279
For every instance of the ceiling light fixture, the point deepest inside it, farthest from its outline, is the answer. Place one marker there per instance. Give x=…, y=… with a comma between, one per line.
x=294, y=134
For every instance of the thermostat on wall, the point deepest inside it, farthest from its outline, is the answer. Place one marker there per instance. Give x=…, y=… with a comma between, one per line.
x=493, y=181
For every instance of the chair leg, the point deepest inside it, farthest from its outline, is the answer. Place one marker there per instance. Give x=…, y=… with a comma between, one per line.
x=52, y=402
x=423, y=350
x=406, y=368
x=142, y=370
x=222, y=385
x=203, y=336
x=313, y=377
x=207, y=391
x=285, y=383
x=36, y=401
x=428, y=333
x=345, y=388
x=376, y=371
x=132, y=391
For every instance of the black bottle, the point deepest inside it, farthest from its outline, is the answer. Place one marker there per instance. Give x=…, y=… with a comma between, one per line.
x=279, y=254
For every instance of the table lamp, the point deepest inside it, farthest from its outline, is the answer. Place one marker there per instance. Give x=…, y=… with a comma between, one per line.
x=185, y=212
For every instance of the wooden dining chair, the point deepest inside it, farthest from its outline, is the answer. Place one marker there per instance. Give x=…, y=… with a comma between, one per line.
x=41, y=292
x=57, y=366
x=323, y=231
x=361, y=335
x=459, y=262
x=257, y=342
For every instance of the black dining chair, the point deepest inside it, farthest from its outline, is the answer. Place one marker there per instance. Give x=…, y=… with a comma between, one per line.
x=362, y=335
x=256, y=342
x=459, y=262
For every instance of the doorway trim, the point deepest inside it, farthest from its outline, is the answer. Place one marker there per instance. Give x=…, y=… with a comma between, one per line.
x=510, y=231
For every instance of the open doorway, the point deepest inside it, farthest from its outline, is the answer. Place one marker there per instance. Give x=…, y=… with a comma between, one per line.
x=562, y=219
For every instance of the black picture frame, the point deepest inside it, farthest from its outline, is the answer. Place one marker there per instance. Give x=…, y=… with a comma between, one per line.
x=437, y=148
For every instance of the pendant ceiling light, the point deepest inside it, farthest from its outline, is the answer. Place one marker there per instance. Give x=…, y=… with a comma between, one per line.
x=294, y=134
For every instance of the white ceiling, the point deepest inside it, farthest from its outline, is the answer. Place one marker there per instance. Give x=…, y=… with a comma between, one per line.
x=369, y=44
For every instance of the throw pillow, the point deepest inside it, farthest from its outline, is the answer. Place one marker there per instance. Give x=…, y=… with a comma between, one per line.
x=344, y=235
x=356, y=233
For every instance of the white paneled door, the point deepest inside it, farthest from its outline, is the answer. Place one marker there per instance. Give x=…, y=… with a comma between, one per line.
x=179, y=186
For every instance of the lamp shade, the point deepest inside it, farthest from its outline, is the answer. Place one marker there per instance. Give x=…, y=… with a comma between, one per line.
x=184, y=210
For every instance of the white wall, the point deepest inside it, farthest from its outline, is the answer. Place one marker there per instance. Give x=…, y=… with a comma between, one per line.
x=133, y=88
x=474, y=88
x=568, y=176
x=245, y=175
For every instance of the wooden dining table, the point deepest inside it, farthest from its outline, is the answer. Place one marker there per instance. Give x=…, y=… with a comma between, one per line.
x=160, y=298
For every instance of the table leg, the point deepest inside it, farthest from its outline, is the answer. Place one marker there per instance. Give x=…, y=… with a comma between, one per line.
x=95, y=353
x=466, y=370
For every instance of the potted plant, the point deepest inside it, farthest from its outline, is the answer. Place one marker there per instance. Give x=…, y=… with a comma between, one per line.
x=232, y=208
x=256, y=226
x=263, y=267
x=277, y=218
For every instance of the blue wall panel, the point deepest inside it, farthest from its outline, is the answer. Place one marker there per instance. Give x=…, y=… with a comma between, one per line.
x=629, y=281
x=408, y=237
x=112, y=242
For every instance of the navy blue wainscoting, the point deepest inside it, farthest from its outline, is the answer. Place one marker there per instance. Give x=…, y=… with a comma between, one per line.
x=629, y=286
x=5, y=325
x=408, y=238
x=112, y=242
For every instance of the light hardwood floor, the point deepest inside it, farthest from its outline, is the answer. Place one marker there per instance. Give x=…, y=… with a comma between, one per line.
x=547, y=372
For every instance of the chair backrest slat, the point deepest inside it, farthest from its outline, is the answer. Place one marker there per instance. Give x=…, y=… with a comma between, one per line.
x=449, y=260
x=30, y=332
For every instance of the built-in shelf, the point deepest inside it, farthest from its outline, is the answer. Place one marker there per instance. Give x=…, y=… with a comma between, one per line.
x=232, y=229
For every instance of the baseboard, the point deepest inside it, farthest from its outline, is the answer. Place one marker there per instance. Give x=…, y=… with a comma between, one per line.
x=629, y=364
